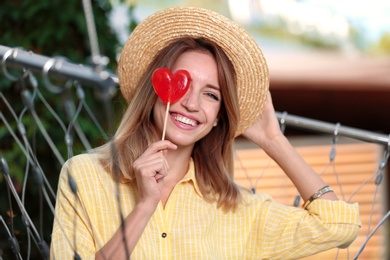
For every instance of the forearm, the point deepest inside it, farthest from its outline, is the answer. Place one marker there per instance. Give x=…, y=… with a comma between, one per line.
x=300, y=173
x=118, y=247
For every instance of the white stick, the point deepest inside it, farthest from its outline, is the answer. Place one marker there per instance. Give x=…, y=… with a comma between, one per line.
x=165, y=121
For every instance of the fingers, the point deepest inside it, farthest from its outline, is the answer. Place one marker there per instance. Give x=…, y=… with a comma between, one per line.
x=150, y=170
x=151, y=165
x=152, y=161
x=160, y=146
x=269, y=103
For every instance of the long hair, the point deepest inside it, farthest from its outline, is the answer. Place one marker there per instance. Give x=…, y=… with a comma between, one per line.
x=212, y=155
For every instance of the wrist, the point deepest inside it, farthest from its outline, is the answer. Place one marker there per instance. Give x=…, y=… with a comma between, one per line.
x=274, y=144
x=145, y=208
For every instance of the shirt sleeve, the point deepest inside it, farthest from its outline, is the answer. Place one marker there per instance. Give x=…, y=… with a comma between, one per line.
x=71, y=231
x=290, y=233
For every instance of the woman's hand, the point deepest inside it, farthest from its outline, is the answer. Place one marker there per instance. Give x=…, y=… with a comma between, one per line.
x=150, y=170
x=266, y=133
x=266, y=128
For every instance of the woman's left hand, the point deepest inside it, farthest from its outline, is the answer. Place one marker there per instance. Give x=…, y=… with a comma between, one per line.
x=266, y=127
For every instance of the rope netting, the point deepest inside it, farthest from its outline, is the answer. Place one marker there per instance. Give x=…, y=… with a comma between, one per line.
x=357, y=170
x=22, y=124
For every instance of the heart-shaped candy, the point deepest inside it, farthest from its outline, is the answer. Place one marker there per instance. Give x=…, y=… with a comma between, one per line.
x=170, y=87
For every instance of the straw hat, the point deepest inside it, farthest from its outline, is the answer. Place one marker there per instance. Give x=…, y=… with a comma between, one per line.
x=163, y=27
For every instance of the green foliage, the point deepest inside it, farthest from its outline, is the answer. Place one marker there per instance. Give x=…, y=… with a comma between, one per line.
x=54, y=27
x=50, y=28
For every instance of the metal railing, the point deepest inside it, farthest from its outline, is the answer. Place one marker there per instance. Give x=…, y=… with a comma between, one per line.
x=105, y=80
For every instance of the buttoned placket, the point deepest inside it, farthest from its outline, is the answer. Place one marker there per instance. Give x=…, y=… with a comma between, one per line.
x=165, y=220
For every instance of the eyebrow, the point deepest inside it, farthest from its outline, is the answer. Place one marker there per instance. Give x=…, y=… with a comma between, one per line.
x=213, y=87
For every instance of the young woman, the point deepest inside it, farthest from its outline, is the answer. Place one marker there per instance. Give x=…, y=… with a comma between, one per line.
x=148, y=198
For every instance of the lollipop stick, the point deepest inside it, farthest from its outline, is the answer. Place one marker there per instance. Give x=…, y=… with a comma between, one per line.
x=165, y=121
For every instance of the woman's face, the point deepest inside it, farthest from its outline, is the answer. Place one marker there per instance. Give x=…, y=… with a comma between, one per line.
x=195, y=114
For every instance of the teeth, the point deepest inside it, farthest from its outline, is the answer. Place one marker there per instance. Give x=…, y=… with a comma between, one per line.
x=185, y=120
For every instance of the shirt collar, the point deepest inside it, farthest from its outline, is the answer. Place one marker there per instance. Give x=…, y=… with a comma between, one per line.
x=190, y=177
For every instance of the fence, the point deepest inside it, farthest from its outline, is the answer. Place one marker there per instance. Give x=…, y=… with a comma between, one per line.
x=77, y=77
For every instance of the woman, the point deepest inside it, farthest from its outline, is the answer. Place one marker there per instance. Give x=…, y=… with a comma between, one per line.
x=176, y=199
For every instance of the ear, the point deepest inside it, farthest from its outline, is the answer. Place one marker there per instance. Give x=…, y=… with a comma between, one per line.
x=215, y=122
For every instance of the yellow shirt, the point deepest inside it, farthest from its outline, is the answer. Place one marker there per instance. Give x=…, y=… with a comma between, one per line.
x=189, y=227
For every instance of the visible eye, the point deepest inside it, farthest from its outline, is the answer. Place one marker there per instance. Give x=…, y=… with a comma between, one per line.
x=213, y=96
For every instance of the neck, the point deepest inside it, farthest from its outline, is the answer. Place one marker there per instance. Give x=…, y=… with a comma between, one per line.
x=178, y=166
x=178, y=162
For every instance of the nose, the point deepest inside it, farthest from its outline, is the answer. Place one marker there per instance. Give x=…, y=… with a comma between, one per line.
x=191, y=100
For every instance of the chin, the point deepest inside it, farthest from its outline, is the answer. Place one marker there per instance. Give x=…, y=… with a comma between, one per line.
x=182, y=140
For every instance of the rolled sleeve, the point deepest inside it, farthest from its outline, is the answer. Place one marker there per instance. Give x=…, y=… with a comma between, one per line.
x=341, y=218
x=291, y=233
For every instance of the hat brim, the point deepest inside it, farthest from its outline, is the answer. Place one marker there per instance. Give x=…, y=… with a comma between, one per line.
x=164, y=27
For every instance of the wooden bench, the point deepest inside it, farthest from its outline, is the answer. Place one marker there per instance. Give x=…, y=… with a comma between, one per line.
x=353, y=165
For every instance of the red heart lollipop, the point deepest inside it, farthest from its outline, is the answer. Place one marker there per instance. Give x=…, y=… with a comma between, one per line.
x=170, y=87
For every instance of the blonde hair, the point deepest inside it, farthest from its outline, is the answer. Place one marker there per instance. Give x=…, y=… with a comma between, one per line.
x=213, y=155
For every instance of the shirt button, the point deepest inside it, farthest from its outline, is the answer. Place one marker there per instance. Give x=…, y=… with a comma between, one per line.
x=164, y=235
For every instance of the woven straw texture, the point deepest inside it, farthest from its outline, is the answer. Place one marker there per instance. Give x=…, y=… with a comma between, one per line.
x=163, y=27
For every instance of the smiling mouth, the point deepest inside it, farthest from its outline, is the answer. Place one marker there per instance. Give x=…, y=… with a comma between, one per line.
x=185, y=120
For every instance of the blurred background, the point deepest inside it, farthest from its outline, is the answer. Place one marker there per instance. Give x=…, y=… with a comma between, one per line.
x=334, y=54
x=328, y=61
